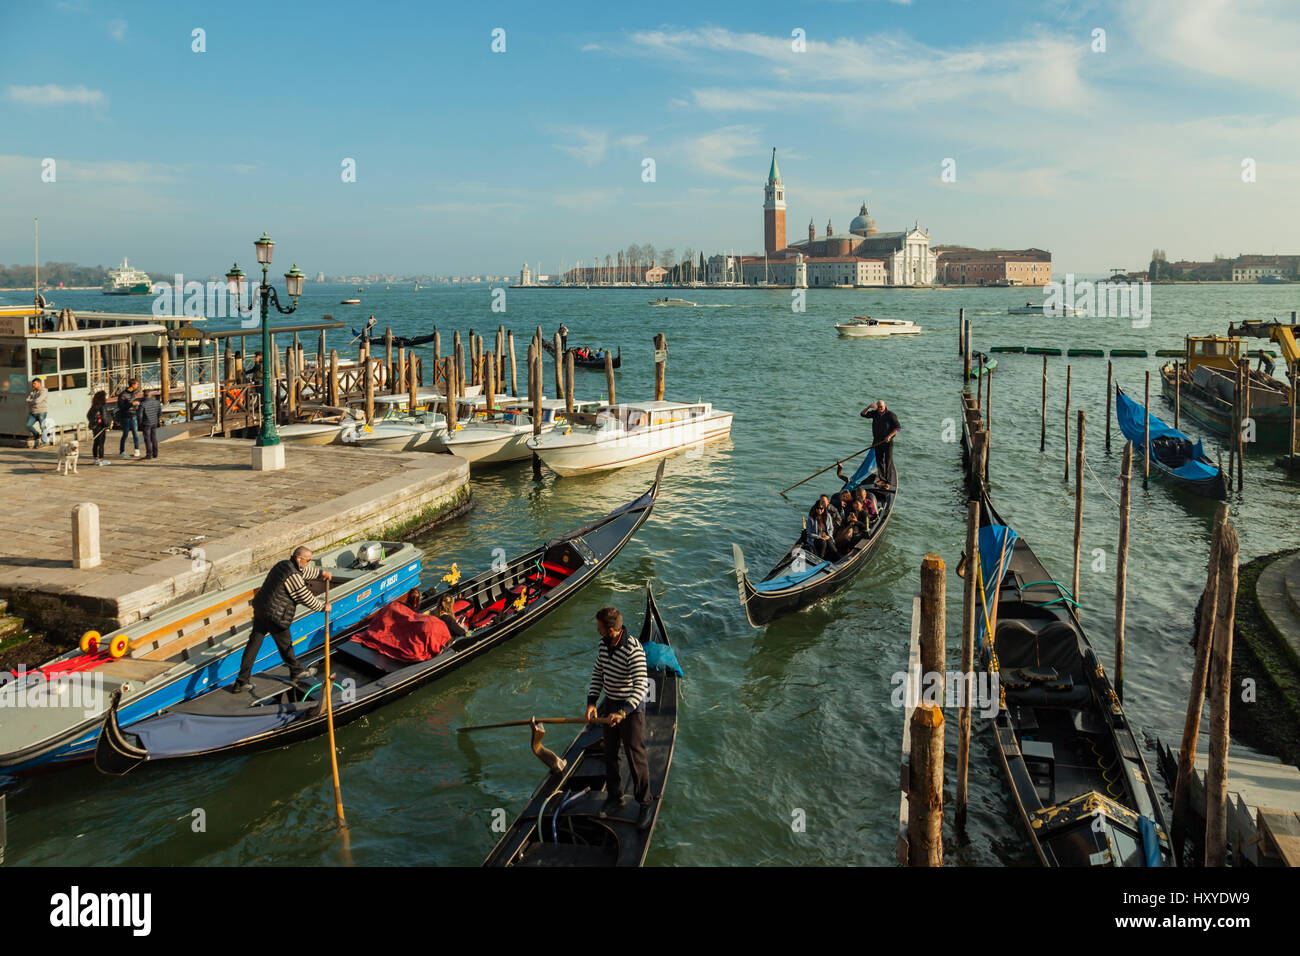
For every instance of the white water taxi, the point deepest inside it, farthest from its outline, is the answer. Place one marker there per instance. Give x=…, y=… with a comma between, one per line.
x=620, y=435
x=1042, y=309
x=682, y=302
x=865, y=327
x=502, y=434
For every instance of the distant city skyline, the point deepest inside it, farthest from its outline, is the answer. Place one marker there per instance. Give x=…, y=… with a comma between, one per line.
x=1096, y=146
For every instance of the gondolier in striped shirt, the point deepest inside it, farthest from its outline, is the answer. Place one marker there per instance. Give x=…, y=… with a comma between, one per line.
x=620, y=674
x=274, y=607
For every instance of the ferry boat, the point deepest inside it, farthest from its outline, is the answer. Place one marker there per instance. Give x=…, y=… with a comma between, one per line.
x=502, y=435
x=865, y=327
x=179, y=653
x=127, y=281
x=619, y=435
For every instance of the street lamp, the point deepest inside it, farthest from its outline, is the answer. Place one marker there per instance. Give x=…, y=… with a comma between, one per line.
x=268, y=453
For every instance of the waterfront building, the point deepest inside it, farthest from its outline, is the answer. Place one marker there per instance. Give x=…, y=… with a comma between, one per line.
x=962, y=265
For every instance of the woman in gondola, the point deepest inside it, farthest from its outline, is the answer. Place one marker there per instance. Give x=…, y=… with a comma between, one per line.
x=819, y=534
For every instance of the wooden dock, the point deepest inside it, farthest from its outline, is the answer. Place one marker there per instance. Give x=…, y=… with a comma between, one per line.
x=195, y=517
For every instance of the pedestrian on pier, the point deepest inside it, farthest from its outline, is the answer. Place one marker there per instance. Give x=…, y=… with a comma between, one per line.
x=620, y=674
x=128, y=401
x=100, y=423
x=149, y=415
x=884, y=426
x=274, y=607
x=37, y=402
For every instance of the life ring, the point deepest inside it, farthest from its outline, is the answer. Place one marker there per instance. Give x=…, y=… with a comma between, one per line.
x=90, y=642
x=119, y=646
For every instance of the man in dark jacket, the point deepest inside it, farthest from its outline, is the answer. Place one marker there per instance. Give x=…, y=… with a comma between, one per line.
x=884, y=426
x=274, y=608
x=148, y=415
x=128, y=400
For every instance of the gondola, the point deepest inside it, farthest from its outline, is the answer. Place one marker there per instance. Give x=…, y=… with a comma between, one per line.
x=1173, y=455
x=596, y=359
x=1076, y=773
x=498, y=604
x=561, y=825
x=800, y=578
x=399, y=341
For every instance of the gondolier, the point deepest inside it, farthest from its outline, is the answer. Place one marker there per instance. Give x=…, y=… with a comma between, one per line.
x=884, y=426
x=274, y=608
x=620, y=674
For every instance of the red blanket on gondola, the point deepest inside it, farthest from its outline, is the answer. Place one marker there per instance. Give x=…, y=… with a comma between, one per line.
x=405, y=635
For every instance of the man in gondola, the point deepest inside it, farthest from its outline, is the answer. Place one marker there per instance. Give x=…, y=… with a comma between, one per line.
x=274, y=607
x=884, y=426
x=620, y=674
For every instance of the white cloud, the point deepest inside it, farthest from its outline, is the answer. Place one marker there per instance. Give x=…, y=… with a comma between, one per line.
x=53, y=95
x=117, y=30
x=591, y=146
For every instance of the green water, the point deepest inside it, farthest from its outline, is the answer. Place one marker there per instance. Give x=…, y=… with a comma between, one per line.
x=792, y=717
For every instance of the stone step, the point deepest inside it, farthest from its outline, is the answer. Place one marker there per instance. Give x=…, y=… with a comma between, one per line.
x=1278, y=600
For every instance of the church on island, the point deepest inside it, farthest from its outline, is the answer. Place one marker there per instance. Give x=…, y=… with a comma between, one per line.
x=863, y=256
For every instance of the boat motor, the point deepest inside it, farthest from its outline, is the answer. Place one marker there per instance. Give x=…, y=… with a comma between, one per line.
x=369, y=555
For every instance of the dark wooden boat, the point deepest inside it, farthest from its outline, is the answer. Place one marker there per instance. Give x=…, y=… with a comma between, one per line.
x=800, y=578
x=1076, y=774
x=595, y=360
x=561, y=825
x=499, y=604
x=1174, y=457
x=399, y=341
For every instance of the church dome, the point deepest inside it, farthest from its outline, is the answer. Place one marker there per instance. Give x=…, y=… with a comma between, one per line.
x=862, y=224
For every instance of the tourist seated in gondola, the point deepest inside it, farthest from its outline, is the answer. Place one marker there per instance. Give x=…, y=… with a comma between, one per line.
x=400, y=631
x=458, y=626
x=868, y=501
x=853, y=528
x=819, y=532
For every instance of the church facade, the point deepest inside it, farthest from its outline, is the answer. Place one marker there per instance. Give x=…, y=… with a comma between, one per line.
x=862, y=256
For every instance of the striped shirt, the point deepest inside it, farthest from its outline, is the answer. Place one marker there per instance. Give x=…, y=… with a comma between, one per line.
x=296, y=585
x=620, y=672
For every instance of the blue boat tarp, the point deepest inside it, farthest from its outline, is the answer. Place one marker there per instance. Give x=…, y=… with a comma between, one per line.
x=784, y=581
x=996, y=542
x=1131, y=423
x=174, y=735
x=864, y=471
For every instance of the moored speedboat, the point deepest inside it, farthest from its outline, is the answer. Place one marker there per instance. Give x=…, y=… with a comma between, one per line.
x=502, y=434
x=621, y=435
x=1043, y=309
x=178, y=653
x=679, y=302
x=865, y=327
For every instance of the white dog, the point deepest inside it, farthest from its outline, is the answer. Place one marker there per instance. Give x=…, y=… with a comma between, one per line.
x=68, y=452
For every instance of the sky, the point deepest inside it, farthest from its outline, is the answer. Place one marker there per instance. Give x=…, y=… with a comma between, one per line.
x=1096, y=146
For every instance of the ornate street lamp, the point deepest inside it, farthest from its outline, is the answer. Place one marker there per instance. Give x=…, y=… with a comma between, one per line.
x=267, y=437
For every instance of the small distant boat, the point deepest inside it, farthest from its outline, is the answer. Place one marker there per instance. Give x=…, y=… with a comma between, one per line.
x=561, y=825
x=1272, y=280
x=1173, y=455
x=586, y=357
x=1041, y=309
x=350, y=302
x=668, y=301
x=865, y=327
x=399, y=341
x=127, y=281
x=620, y=435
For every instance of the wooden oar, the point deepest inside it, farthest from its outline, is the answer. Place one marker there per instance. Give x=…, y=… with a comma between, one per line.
x=832, y=465
x=538, y=720
x=329, y=720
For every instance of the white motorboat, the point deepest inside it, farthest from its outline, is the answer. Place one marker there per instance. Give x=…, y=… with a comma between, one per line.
x=667, y=301
x=865, y=327
x=1042, y=309
x=620, y=435
x=502, y=435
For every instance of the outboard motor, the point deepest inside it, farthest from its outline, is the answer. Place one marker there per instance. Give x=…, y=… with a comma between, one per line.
x=369, y=555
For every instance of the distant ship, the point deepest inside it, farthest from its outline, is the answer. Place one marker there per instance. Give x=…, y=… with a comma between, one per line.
x=1272, y=280
x=127, y=281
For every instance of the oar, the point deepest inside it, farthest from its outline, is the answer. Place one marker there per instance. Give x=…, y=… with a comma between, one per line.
x=329, y=720
x=538, y=720
x=830, y=466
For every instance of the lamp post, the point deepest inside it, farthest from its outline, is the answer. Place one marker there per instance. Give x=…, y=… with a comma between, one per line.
x=268, y=453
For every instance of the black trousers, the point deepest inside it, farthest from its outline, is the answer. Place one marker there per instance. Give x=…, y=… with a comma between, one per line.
x=631, y=733
x=283, y=641
x=150, y=433
x=99, y=444
x=885, y=462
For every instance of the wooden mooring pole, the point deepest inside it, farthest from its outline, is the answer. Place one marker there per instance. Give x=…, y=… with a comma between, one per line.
x=1042, y=437
x=969, y=619
x=514, y=378
x=1290, y=447
x=961, y=331
x=925, y=777
x=1196, y=696
x=559, y=365
x=1178, y=395
x=537, y=404
x=1078, y=509
x=1243, y=415
x=1121, y=565
x=568, y=382
x=1146, y=429
x=1110, y=399
x=965, y=358
x=1069, y=388
x=661, y=366
x=1216, y=772
x=609, y=376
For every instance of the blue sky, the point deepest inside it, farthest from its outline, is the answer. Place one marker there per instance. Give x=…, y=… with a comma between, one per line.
x=469, y=160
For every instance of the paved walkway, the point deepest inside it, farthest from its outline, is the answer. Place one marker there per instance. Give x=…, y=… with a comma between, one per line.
x=199, y=493
x=1278, y=593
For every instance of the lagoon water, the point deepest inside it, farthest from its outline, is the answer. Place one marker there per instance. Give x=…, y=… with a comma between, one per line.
x=792, y=722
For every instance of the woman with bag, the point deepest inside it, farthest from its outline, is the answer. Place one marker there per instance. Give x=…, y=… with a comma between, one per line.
x=99, y=423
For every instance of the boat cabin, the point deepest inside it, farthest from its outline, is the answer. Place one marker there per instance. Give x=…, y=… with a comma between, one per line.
x=1217, y=351
x=648, y=414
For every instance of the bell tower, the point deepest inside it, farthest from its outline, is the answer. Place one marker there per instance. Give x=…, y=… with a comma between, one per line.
x=773, y=210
